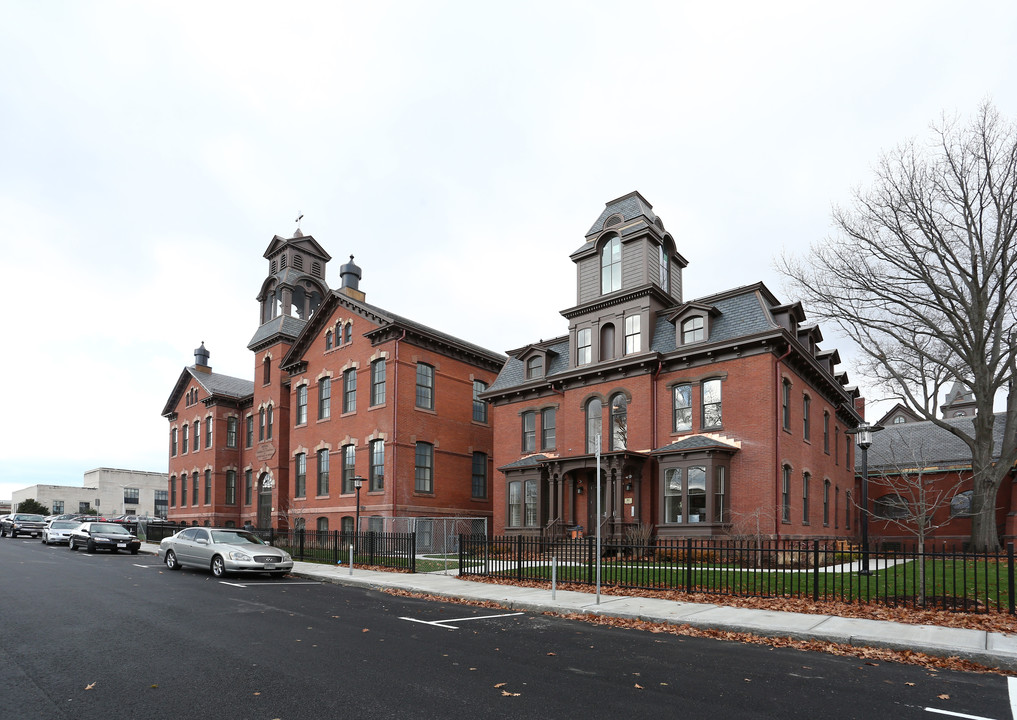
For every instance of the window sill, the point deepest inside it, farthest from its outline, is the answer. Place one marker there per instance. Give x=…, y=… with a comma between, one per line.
x=321, y=420
x=347, y=413
x=379, y=406
x=430, y=411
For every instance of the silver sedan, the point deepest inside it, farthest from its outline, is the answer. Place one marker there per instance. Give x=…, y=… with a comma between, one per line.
x=223, y=550
x=58, y=531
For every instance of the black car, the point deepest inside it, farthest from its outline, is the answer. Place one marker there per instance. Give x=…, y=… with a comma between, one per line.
x=103, y=536
x=22, y=524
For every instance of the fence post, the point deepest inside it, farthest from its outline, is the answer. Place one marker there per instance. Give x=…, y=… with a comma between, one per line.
x=1009, y=576
x=815, y=570
x=462, y=556
x=519, y=557
x=590, y=560
x=688, y=565
x=413, y=551
x=371, y=536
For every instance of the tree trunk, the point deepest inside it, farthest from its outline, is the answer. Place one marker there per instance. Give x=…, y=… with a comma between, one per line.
x=986, y=480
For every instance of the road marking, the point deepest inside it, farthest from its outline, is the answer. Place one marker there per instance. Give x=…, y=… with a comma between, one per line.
x=441, y=623
x=243, y=585
x=1011, y=684
x=146, y=566
x=223, y=582
x=956, y=714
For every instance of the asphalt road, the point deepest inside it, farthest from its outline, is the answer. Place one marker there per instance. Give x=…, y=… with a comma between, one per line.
x=120, y=636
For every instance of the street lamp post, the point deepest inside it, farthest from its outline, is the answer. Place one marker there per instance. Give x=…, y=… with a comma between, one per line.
x=358, y=482
x=863, y=437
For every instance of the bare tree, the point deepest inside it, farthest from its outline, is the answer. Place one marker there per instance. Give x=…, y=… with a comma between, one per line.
x=922, y=276
x=918, y=491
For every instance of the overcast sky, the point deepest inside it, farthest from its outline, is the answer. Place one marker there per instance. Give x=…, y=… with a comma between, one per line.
x=460, y=150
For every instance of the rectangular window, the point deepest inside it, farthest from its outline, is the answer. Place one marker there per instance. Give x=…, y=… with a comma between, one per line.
x=515, y=504
x=185, y=441
x=173, y=492
x=348, y=467
x=261, y=424
x=785, y=404
x=479, y=484
x=836, y=446
x=377, y=468
x=248, y=486
x=195, y=488
x=231, y=487
x=547, y=429
x=826, y=432
x=324, y=398
x=58, y=505
x=173, y=442
x=711, y=404
x=682, y=408
x=425, y=386
x=161, y=504
x=719, y=493
x=131, y=496
x=697, y=493
x=826, y=503
x=301, y=405
x=350, y=390
x=847, y=449
x=529, y=431
x=208, y=487
x=84, y=507
x=197, y=436
x=584, y=346
x=270, y=412
x=847, y=510
x=805, y=497
x=300, y=471
x=323, y=471
x=806, y=405
x=479, y=406
x=208, y=432
x=673, y=495
x=632, y=335
x=249, y=430
x=424, y=468
x=785, y=495
x=231, y=432
x=378, y=382
x=530, y=506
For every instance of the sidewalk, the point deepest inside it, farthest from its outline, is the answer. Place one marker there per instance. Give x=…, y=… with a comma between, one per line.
x=986, y=648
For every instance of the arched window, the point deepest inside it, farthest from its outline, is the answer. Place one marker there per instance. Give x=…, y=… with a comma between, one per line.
x=348, y=333
x=663, y=268
x=594, y=415
x=610, y=266
x=619, y=422
x=899, y=419
x=328, y=340
x=607, y=342
x=960, y=504
x=890, y=506
x=323, y=524
x=266, y=370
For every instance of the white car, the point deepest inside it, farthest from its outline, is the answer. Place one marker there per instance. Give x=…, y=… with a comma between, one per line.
x=58, y=531
x=223, y=550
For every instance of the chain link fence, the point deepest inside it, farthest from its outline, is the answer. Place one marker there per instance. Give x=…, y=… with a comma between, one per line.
x=435, y=535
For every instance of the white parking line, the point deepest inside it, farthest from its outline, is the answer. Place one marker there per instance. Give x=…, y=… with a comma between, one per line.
x=956, y=714
x=442, y=624
x=287, y=584
x=1011, y=684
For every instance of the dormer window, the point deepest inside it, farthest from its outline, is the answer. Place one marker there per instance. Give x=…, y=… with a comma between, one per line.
x=610, y=266
x=693, y=330
x=534, y=367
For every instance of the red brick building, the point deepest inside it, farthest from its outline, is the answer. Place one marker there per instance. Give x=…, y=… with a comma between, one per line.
x=718, y=415
x=342, y=390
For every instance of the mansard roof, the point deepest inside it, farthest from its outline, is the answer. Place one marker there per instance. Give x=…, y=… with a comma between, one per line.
x=695, y=443
x=281, y=327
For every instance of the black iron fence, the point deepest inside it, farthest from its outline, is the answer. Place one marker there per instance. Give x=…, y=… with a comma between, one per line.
x=829, y=570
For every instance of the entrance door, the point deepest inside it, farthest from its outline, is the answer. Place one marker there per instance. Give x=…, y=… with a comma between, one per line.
x=591, y=503
x=264, y=502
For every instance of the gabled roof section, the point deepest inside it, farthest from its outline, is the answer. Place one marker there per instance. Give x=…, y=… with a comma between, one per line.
x=925, y=445
x=899, y=410
x=629, y=207
x=526, y=462
x=387, y=321
x=685, y=308
x=303, y=242
x=215, y=384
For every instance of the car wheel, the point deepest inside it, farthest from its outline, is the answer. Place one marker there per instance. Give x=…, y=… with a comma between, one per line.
x=171, y=560
x=90, y=547
x=218, y=566
x=14, y=533
x=71, y=545
x=42, y=539
x=134, y=551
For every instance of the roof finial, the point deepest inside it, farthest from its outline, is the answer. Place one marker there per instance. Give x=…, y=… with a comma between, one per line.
x=297, y=221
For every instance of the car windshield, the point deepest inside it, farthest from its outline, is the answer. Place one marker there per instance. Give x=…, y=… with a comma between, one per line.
x=30, y=518
x=236, y=537
x=109, y=529
x=63, y=524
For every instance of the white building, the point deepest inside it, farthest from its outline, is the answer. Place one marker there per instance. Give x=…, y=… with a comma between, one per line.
x=109, y=491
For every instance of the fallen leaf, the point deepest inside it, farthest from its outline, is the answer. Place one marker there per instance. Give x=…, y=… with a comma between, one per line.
x=944, y=696
x=257, y=693
x=506, y=693
x=552, y=654
x=872, y=664
x=638, y=686
x=365, y=630
x=910, y=684
x=501, y=685
x=154, y=686
x=473, y=668
x=90, y=686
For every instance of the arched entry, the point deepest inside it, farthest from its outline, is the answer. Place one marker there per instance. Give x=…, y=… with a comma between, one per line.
x=265, y=485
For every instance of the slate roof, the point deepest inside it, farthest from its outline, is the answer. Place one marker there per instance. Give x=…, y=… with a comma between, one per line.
x=285, y=325
x=742, y=312
x=223, y=385
x=923, y=443
x=629, y=206
x=531, y=461
x=695, y=442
